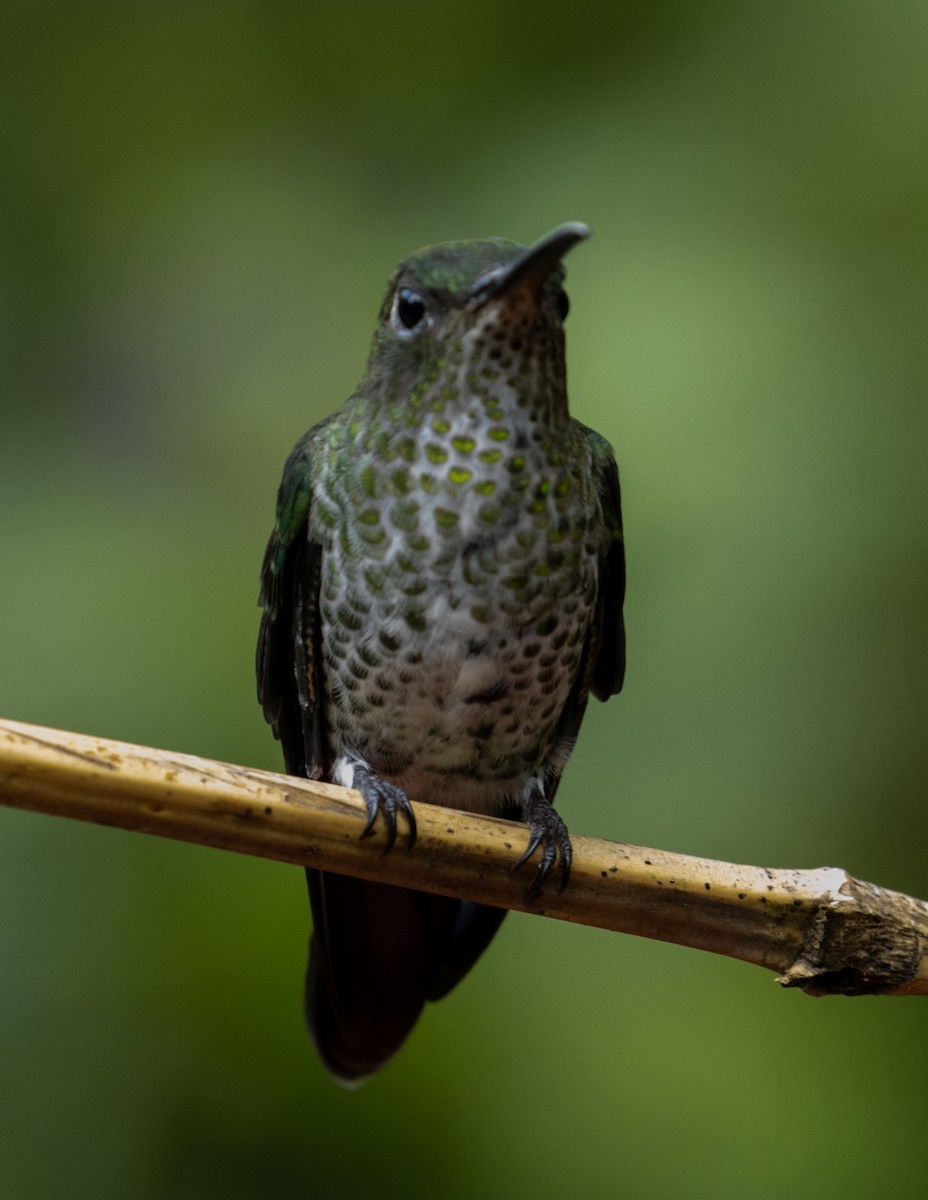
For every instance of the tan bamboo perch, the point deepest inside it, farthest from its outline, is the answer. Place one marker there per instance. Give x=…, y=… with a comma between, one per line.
x=821, y=930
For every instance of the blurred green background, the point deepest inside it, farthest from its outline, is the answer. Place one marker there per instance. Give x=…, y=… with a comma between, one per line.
x=201, y=205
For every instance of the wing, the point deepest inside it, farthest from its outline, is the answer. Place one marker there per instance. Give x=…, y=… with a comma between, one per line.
x=288, y=657
x=608, y=640
x=602, y=667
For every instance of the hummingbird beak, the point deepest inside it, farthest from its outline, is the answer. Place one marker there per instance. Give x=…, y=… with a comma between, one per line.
x=532, y=267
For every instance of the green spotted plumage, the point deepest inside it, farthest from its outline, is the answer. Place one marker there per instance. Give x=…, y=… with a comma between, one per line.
x=442, y=591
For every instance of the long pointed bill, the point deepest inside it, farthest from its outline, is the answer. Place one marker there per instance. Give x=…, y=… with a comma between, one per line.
x=533, y=266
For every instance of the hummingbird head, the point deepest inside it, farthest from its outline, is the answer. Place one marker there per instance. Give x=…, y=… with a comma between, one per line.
x=489, y=307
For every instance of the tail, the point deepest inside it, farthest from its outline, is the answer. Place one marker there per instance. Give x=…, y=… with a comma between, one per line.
x=377, y=954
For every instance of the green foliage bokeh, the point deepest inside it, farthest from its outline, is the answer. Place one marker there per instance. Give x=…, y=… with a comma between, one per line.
x=200, y=206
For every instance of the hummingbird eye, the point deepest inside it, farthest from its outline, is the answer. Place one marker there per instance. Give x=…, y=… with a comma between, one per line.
x=562, y=303
x=409, y=309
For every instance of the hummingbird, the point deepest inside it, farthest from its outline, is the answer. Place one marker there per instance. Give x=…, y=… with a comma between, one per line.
x=442, y=591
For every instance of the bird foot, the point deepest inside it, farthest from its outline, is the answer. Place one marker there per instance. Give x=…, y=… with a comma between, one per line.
x=381, y=796
x=546, y=829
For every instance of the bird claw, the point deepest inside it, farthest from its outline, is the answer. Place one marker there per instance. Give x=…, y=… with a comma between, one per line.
x=546, y=829
x=381, y=795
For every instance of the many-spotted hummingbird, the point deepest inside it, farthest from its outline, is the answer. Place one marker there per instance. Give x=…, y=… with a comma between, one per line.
x=442, y=591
